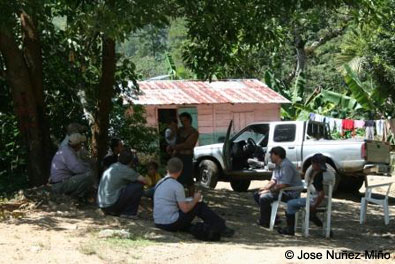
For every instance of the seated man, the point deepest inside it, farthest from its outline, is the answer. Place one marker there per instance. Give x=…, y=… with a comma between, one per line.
x=69, y=174
x=71, y=129
x=116, y=146
x=172, y=212
x=82, y=153
x=284, y=175
x=121, y=188
x=319, y=175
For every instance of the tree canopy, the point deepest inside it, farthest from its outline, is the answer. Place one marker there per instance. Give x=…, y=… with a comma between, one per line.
x=63, y=61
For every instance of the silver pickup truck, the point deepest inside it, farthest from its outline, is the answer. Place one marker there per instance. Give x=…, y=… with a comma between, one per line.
x=245, y=156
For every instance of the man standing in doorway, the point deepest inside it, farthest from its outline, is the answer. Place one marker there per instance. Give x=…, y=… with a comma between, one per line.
x=187, y=136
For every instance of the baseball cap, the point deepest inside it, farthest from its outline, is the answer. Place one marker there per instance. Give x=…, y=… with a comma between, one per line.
x=76, y=138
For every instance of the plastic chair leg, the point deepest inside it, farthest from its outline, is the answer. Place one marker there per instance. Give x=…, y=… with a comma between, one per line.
x=273, y=215
x=362, y=217
x=386, y=212
x=297, y=215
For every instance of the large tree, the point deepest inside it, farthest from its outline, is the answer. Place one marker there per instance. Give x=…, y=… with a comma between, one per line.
x=20, y=48
x=93, y=27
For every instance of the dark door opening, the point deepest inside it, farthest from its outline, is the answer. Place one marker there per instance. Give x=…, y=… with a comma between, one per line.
x=164, y=116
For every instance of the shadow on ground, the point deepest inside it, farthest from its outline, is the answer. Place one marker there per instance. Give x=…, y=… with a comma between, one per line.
x=241, y=213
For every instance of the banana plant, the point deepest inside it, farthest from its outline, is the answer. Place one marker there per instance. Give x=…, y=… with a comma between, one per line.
x=298, y=109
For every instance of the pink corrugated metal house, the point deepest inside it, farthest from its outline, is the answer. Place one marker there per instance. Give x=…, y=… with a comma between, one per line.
x=212, y=105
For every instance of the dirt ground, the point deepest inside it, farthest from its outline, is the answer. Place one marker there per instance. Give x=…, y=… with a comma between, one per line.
x=61, y=233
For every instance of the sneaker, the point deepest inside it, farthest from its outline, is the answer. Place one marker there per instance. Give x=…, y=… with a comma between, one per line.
x=258, y=222
x=133, y=217
x=228, y=232
x=285, y=231
x=314, y=218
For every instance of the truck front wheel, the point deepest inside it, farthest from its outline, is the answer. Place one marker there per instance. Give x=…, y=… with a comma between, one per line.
x=208, y=174
x=240, y=185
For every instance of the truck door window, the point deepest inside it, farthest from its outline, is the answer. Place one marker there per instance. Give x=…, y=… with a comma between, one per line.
x=256, y=132
x=284, y=133
x=317, y=131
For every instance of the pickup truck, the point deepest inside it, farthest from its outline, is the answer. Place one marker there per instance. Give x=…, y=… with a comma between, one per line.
x=245, y=156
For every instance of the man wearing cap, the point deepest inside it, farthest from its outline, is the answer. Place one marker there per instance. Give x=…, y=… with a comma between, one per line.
x=284, y=175
x=318, y=176
x=69, y=174
x=72, y=128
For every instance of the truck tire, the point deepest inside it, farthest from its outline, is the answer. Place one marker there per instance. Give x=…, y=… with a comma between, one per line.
x=332, y=169
x=350, y=184
x=208, y=174
x=240, y=185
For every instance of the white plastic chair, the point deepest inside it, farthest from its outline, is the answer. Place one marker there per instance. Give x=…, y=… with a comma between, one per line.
x=276, y=204
x=325, y=207
x=368, y=199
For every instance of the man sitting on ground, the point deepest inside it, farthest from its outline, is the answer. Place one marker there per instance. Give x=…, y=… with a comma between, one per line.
x=284, y=175
x=116, y=146
x=121, y=188
x=69, y=174
x=172, y=212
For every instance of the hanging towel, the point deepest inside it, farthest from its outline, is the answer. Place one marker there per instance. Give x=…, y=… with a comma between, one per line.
x=359, y=123
x=319, y=118
x=380, y=128
x=348, y=124
x=369, y=132
x=370, y=123
x=331, y=122
x=338, y=123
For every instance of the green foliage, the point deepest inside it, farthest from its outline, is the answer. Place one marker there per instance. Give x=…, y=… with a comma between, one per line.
x=13, y=175
x=132, y=128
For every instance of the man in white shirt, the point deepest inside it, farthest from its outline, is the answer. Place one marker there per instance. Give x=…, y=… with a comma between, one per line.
x=172, y=212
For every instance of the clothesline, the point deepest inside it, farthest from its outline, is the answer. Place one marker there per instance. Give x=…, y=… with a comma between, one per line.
x=382, y=126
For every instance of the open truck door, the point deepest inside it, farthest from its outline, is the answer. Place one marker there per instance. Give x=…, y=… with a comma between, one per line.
x=226, y=149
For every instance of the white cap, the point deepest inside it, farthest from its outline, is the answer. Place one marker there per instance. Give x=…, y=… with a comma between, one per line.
x=76, y=138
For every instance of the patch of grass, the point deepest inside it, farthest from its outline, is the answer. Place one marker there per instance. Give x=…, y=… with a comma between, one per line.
x=88, y=248
x=101, y=247
x=128, y=243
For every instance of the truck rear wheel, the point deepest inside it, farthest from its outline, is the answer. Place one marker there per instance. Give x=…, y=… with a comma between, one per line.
x=240, y=185
x=208, y=174
x=350, y=184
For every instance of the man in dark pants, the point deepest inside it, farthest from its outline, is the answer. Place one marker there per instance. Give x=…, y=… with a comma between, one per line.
x=284, y=175
x=121, y=188
x=172, y=212
x=187, y=136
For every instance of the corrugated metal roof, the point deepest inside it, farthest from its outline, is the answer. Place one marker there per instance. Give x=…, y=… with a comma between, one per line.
x=178, y=92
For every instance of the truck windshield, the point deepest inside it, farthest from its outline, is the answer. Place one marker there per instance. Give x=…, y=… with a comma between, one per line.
x=317, y=130
x=256, y=132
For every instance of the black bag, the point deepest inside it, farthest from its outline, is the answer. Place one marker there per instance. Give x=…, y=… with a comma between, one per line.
x=205, y=232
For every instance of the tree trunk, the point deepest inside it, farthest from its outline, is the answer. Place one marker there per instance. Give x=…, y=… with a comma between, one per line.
x=33, y=60
x=104, y=104
x=300, y=53
x=25, y=107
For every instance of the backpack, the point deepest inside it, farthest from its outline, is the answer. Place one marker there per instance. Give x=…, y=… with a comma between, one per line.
x=205, y=232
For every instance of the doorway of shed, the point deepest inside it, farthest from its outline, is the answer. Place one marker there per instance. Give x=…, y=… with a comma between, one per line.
x=165, y=116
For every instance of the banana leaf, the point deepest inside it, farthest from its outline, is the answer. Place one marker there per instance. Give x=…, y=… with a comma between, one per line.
x=357, y=89
x=299, y=88
x=344, y=102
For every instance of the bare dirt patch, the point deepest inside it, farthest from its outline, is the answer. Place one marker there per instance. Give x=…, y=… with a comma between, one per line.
x=64, y=233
